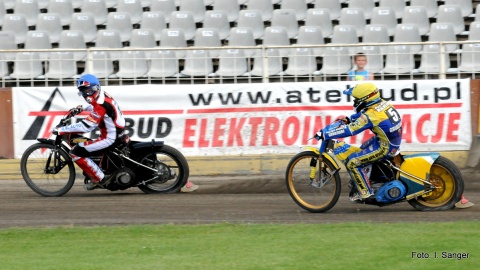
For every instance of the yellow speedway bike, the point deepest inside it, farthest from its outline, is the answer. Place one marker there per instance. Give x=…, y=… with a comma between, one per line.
x=427, y=181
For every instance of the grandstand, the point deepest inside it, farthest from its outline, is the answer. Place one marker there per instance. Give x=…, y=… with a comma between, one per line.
x=52, y=42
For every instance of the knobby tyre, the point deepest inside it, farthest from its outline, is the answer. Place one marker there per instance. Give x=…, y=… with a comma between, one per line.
x=172, y=168
x=311, y=197
x=37, y=167
x=448, y=180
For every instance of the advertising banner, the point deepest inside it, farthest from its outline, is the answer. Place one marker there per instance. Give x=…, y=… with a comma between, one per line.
x=242, y=119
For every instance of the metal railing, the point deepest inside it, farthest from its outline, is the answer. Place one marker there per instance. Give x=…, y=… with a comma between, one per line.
x=133, y=65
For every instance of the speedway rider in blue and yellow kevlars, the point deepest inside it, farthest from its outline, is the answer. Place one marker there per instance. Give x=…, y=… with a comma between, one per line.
x=104, y=114
x=376, y=114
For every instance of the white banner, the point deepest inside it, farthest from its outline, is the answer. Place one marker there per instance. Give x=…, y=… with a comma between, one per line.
x=237, y=119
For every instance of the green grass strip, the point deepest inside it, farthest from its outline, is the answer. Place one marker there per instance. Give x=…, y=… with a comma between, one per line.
x=245, y=246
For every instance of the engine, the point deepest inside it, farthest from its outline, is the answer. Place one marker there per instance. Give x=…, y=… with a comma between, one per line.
x=390, y=192
x=123, y=178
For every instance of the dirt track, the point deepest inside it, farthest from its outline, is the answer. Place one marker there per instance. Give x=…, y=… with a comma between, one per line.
x=219, y=199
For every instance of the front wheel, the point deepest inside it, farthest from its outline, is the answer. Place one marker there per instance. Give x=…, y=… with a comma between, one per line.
x=170, y=172
x=46, y=170
x=317, y=195
x=448, y=182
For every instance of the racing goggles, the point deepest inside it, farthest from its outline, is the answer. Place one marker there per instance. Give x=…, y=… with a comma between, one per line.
x=85, y=89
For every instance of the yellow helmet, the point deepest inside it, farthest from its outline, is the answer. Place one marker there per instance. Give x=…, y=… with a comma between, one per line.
x=365, y=95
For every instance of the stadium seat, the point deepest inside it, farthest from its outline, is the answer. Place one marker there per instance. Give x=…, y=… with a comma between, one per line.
x=243, y=36
x=374, y=58
x=109, y=39
x=16, y=23
x=287, y=19
x=51, y=23
x=386, y=16
x=311, y=35
x=232, y=63
x=399, y=60
x=77, y=3
x=2, y=12
x=274, y=64
x=62, y=7
x=174, y=39
x=301, y=61
x=121, y=22
x=163, y=64
x=133, y=7
x=132, y=64
x=73, y=39
x=99, y=63
x=27, y=65
x=98, y=8
x=183, y=20
x=143, y=38
x=443, y=32
x=154, y=21
x=30, y=9
x=7, y=42
x=334, y=7
x=355, y=17
x=476, y=16
x=146, y=3
x=253, y=19
x=431, y=59
x=300, y=7
x=320, y=17
x=111, y=3
x=376, y=33
x=417, y=15
x=398, y=6
x=165, y=6
x=336, y=61
x=197, y=63
x=264, y=6
x=230, y=6
x=408, y=33
x=197, y=8
x=474, y=31
x=366, y=5
x=345, y=34
x=217, y=19
x=61, y=65
x=470, y=58
x=451, y=14
x=9, y=4
x=277, y=36
x=431, y=6
x=38, y=39
x=466, y=6
x=208, y=37
x=84, y=22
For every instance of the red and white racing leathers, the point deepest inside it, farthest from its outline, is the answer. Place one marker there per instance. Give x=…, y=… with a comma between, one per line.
x=107, y=116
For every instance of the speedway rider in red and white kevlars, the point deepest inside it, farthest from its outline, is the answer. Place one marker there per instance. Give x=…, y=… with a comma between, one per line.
x=104, y=114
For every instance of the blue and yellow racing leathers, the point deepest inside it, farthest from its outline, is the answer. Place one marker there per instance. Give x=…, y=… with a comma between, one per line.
x=385, y=122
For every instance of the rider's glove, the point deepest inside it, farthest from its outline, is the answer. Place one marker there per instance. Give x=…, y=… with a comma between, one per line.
x=319, y=135
x=346, y=120
x=76, y=110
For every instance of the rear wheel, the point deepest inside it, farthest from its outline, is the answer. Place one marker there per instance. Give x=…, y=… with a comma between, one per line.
x=448, y=182
x=316, y=196
x=48, y=171
x=170, y=171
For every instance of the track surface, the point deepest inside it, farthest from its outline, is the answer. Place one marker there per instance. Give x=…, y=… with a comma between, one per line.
x=247, y=199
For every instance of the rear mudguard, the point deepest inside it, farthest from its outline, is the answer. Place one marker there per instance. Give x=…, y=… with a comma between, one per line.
x=415, y=172
x=325, y=155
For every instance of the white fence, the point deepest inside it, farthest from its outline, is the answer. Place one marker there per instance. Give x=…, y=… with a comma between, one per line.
x=229, y=64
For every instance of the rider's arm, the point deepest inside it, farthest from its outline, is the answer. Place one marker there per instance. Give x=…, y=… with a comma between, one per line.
x=359, y=125
x=86, y=125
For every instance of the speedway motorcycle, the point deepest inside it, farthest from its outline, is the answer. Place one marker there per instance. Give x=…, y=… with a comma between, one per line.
x=427, y=181
x=153, y=167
